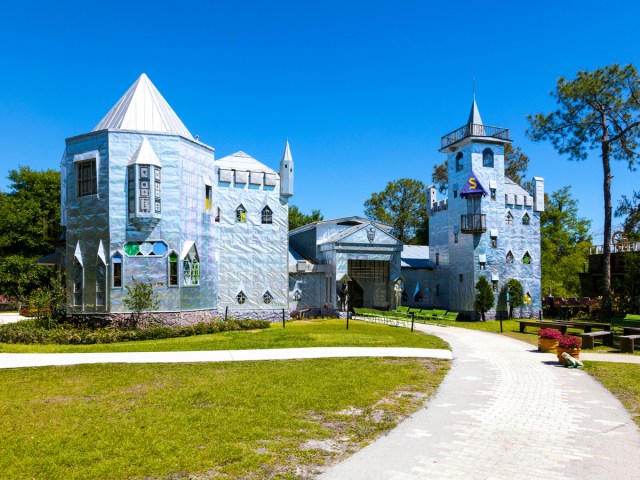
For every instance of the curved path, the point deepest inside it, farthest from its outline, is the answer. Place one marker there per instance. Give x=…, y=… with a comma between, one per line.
x=504, y=411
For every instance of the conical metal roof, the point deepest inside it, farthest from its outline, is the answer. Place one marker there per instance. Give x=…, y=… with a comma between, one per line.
x=286, y=155
x=474, y=115
x=143, y=108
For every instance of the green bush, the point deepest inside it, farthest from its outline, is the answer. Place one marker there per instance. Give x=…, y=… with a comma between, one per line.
x=31, y=331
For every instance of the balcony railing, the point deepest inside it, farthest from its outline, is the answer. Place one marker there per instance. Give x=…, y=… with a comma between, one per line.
x=473, y=223
x=474, y=130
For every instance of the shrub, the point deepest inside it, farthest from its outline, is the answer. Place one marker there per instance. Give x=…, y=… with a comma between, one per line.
x=31, y=332
x=550, y=333
x=570, y=341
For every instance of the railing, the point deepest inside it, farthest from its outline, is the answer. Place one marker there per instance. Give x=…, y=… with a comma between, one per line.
x=616, y=247
x=473, y=223
x=474, y=130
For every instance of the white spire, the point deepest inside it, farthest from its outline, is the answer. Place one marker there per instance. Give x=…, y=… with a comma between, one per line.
x=143, y=108
x=474, y=115
x=286, y=172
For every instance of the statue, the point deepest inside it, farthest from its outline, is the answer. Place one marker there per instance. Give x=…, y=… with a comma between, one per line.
x=397, y=291
x=343, y=296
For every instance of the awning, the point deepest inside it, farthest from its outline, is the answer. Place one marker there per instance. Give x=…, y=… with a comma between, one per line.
x=472, y=187
x=206, y=180
x=225, y=175
x=482, y=258
x=255, y=178
x=270, y=179
x=495, y=277
x=493, y=184
x=493, y=232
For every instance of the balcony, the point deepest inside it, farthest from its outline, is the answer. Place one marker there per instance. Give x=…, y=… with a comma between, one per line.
x=474, y=130
x=473, y=223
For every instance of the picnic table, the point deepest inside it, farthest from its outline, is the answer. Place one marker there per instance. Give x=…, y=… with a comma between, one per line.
x=563, y=326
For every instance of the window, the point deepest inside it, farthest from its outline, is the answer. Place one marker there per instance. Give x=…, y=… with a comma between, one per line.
x=77, y=283
x=144, y=190
x=508, y=218
x=241, y=297
x=131, y=191
x=208, y=198
x=437, y=259
x=525, y=219
x=217, y=219
x=483, y=266
x=437, y=290
x=493, y=194
x=494, y=242
x=267, y=215
x=459, y=161
x=526, y=259
x=157, y=181
x=509, y=258
x=87, y=179
x=173, y=269
x=241, y=214
x=487, y=157
x=191, y=267
x=494, y=285
x=267, y=297
x=461, y=277
x=116, y=270
x=101, y=278
x=455, y=238
x=297, y=296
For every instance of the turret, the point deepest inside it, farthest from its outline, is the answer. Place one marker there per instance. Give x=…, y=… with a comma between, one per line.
x=538, y=194
x=286, y=173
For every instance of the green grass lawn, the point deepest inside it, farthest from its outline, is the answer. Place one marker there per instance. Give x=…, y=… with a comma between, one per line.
x=313, y=333
x=621, y=379
x=275, y=419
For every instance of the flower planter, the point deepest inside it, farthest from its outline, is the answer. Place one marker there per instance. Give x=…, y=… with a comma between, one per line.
x=547, y=344
x=574, y=352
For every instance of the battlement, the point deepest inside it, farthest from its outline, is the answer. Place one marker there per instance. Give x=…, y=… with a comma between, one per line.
x=439, y=206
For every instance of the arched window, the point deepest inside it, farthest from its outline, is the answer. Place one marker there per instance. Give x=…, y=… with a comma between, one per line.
x=267, y=297
x=526, y=259
x=241, y=214
x=101, y=280
x=487, y=157
x=267, y=215
x=509, y=258
x=116, y=270
x=191, y=267
x=459, y=161
x=173, y=269
x=525, y=219
x=508, y=218
x=241, y=297
x=78, y=280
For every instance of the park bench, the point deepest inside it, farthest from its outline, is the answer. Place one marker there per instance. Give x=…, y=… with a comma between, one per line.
x=562, y=326
x=451, y=316
x=588, y=338
x=630, y=317
x=627, y=343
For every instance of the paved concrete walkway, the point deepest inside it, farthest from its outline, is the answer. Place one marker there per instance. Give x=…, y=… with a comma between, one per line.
x=504, y=411
x=10, y=317
x=17, y=360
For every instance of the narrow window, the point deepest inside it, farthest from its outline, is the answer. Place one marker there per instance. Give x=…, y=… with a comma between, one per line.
x=483, y=266
x=461, y=277
x=241, y=214
x=459, y=161
x=267, y=297
x=494, y=284
x=508, y=218
x=526, y=259
x=241, y=297
x=86, y=177
x=455, y=194
x=217, y=219
x=509, y=258
x=455, y=238
x=525, y=219
x=116, y=270
x=77, y=283
x=191, y=268
x=208, y=200
x=173, y=269
x=131, y=191
x=267, y=215
x=101, y=278
x=493, y=194
x=157, y=189
x=487, y=157
x=144, y=192
x=437, y=290
x=437, y=259
x=494, y=242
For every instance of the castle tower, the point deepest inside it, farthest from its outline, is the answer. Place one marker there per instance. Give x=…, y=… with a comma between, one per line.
x=286, y=173
x=489, y=226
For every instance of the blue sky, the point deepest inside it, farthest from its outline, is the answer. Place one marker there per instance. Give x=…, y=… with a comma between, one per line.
x=363, y=90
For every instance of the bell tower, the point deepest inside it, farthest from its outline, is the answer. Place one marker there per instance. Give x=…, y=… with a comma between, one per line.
x=286, y=173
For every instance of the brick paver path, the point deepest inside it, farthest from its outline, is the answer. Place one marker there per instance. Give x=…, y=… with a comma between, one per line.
x=504, y=411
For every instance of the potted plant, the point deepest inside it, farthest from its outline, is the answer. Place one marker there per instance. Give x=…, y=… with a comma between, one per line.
x=548, y=339
x=570, y=344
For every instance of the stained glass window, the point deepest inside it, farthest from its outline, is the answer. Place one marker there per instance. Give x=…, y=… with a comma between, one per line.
x=267, y=215
x=173, y=269
x=241, y=214
x=116, y=266
x=191, y=268
x=145, y=249
x=508, y=218
x=526, y=259
x=241, y=297
x=267, y=297
x=509, y=258
x=525, y=219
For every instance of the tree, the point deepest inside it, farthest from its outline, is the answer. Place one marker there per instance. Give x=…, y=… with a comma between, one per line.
x=516, y=164
x=516, y=294
x=630, y=209
x=403, y=205
x=299, y=219
x=140, y=297
x=565, y=243
x=597, y=110
x=484, y=300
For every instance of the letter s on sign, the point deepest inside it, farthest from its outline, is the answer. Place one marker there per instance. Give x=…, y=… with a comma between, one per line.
x=472, y=182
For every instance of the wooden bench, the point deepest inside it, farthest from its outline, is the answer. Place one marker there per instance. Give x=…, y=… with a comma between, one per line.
x=534, y=323
x=587, y=326
x=588, y=338
x=627, y=343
